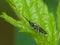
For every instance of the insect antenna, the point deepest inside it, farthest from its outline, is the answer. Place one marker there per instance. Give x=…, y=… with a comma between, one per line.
x=26, y=18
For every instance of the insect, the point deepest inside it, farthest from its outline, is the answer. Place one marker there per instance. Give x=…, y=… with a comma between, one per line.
x=35, y=26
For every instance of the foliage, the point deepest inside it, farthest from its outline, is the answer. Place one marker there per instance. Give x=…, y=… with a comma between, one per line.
x=37, y=12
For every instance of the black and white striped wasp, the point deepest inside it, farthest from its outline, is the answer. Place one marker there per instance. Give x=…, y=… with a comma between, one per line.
x=35, y=26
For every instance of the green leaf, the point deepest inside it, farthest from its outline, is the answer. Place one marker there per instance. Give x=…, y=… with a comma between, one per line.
x=11, y=20
x=58, y=21
x=35, y=11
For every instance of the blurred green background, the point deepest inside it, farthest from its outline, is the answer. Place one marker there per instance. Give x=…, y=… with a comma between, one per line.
x=9, y=35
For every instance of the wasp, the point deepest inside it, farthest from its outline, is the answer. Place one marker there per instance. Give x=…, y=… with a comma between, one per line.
x=35, y=26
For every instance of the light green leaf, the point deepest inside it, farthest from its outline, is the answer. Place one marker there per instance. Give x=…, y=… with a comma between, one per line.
x=37, y=12
x=11, y=20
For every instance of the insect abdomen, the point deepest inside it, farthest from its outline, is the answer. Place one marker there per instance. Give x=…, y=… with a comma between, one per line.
x=37, y=28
